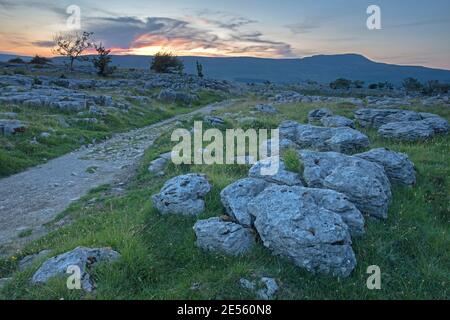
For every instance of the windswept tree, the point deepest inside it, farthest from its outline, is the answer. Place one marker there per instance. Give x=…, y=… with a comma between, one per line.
x=102, y=60
x=72, y=45
x=166, y=62
x=412, y=85
x=200, y=70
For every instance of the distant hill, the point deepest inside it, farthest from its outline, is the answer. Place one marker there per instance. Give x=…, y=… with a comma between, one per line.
x=320, y=68
x=4, y=57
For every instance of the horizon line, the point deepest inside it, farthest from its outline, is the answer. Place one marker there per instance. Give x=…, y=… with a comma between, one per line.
x=242, y=57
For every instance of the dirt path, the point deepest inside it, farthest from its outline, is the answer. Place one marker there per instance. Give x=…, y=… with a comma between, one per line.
x=32, y=198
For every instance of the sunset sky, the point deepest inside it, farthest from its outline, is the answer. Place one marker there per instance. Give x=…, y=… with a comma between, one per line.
x=413, y=32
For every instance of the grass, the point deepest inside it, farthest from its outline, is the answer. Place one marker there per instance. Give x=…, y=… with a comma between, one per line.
x=23, y=150
x=160, y=259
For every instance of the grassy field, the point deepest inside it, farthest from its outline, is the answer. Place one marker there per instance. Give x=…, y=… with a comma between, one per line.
x=160, y=259
x=19, y=151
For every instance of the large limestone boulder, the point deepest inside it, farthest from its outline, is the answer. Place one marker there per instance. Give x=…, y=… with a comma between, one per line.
x=365, y=183
x=344, y=139
x=236, y=196
x=263, y=170
x=337, y=121
x=292, y=223
x=84, y=258
x=404, y=125
x=406, y=131
x=375, y=118
x=438, y=124
x=223, y=236
x=397, y=166
x=183, y=195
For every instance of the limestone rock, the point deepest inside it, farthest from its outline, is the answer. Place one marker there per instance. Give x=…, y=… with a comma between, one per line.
x=337, y=121
x=236, y=196
x=84, y=258
x=157, y=166
x=182, y=195
x=266, y=108
x=292, y=223
x=406, y=131
x=397, y=166
x=375, y=118
x=265, y=288
x=273, y=170
x=316, y=115
x=27, y=261
x=365, y=183
x=344, y=139
x=227, y=237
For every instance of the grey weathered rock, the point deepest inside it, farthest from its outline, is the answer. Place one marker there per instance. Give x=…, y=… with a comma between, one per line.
x=265, y=288
x=84, y=258
x=172, y=96
x=266, y=108
x=236, y=196
x=316, y=115
x=344, y=139
x=406, y=131
x=182, y=195
x=273, y=170
x=365, y=183
x=167, y=155
x=292, y=223
x=157, y=166
x=402, y=124
x=27, y=261
x=397, y=166
x=337, y=121
x=96, y=111
x=438, y=124
x=213, y=120
x=227, y=237
x=375, y=118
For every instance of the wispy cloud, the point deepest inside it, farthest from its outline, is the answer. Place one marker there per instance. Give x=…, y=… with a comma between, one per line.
x=192, y=35
x=43, y=43
x=420, y=23
x=303, y=27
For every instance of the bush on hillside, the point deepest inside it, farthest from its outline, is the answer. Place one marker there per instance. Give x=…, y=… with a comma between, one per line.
x=39, y=60
x=166, y=62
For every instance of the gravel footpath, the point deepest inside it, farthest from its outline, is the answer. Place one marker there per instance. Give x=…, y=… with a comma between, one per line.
x=30, y=199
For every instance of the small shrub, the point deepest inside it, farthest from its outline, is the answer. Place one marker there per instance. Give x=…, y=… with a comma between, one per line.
x=292, y=161
x=16, y=60
x=40, y=60
x=412, y=85
x=166, y=62
x=102, y=60
x=341, y=83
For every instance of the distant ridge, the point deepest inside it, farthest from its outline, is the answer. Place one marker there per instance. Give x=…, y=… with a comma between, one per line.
x=320, y=68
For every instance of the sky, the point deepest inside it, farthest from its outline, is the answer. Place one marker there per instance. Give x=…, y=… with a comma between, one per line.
x=412, y=32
